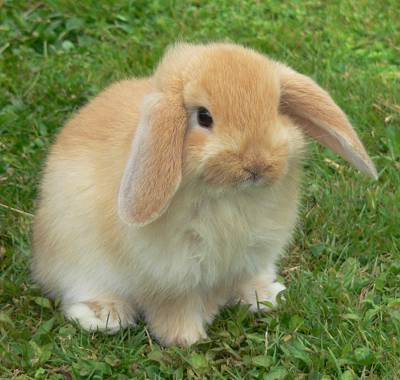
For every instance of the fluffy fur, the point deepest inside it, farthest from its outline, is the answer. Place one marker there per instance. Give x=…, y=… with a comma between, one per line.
x=143, y=211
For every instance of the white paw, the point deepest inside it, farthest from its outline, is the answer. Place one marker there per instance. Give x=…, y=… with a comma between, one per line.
x=255, y=293
x=185, y=337
x=177, y=328
x=274, y=289
x=105, y=316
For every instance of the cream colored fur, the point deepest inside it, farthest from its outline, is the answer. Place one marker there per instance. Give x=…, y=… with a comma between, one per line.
x=220, y=236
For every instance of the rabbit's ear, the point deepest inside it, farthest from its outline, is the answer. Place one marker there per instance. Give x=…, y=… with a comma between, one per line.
x=153, y=171
x=321, y=118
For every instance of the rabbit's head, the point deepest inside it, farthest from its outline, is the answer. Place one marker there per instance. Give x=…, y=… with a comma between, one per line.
x=231, y=118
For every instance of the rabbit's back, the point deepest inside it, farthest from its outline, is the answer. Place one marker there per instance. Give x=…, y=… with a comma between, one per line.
x=77, y=213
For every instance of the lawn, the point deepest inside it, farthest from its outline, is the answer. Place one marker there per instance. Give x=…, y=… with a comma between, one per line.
x=341, y=316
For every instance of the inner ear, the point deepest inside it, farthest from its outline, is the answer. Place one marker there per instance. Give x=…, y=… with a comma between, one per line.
x=314, y=111
x=153, y=169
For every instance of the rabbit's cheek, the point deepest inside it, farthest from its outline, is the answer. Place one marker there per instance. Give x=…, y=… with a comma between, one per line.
x=193, y=153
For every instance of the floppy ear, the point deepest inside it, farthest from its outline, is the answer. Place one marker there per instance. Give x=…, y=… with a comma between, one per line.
x=321, y=118
x=153, y=170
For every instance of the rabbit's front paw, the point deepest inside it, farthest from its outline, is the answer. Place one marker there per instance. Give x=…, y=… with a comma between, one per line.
x=186, y=336
x=173, y=333
x=107, y=316
x=260, y=290
x=179, y=323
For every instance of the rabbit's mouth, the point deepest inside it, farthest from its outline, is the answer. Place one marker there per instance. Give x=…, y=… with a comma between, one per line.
x=246, y=181
x=253, y=180
x=233, y=174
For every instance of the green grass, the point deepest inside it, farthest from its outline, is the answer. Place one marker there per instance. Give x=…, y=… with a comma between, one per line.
x=341, y=317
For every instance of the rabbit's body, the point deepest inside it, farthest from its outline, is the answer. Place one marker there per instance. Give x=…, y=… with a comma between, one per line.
x=206, y=246
x=206, y=243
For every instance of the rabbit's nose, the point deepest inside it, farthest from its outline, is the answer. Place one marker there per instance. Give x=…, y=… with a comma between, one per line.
x=256, y=172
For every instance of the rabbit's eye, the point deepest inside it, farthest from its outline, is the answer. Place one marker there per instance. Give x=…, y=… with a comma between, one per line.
x=204, y=118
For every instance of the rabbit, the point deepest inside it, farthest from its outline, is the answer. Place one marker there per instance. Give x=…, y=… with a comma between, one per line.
x=171, y=196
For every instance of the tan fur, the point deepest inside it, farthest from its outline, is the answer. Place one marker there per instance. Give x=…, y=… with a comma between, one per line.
x=312, y=108
x=141, y=198
x=142, y=210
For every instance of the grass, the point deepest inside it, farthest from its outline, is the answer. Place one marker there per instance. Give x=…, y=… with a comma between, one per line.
x=341, y=317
